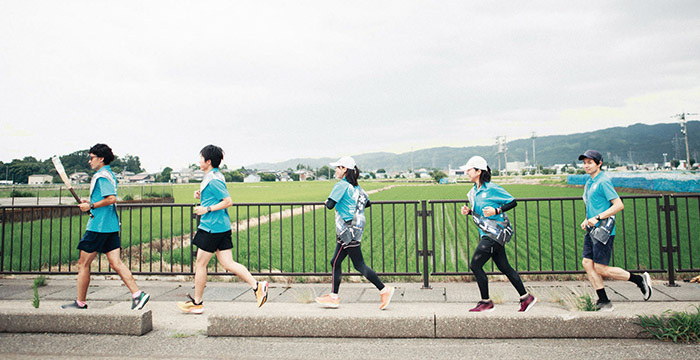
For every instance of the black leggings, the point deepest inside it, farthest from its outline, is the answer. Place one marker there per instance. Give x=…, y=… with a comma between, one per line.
x=357, y=260
x=489, y=249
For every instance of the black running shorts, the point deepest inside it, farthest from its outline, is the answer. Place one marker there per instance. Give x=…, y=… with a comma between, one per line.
x=210, y=242
x=100, y=242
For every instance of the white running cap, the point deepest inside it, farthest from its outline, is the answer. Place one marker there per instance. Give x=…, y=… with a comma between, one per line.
x=477, y=162
x=345, y=161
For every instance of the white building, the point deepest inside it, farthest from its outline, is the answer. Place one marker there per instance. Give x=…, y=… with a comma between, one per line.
x=40, y=179
x=252, y=178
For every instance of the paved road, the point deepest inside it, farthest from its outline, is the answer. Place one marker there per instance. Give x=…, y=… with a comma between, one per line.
x=166, y=344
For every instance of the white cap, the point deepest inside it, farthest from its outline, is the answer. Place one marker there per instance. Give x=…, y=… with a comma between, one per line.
x=476, y=162
x=344, y=161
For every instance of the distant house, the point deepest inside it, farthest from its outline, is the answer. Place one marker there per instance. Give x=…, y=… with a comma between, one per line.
x=304, y=174
x=185, y=175
x=40, y=179
x=124, y=176
x=142, y=178
x=252, y=178
x=515, y=165
x=461, y=171
x=79, y=177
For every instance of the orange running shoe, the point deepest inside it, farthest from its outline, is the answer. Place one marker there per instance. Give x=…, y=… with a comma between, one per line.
x=328, y=301
x=386, y=297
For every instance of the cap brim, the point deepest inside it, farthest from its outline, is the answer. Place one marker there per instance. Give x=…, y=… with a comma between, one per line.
x=334, y=164
x=581, y=157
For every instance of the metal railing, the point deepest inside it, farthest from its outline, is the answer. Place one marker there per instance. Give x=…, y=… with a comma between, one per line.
x=658, y=234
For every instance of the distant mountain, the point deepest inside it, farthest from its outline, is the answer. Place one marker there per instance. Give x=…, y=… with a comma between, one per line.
x=638, y=143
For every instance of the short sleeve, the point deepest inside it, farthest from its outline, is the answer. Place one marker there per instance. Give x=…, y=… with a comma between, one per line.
x=500, y=195
x=219, y=189
x=106, y=188
x=609, y=191
x=339, y=190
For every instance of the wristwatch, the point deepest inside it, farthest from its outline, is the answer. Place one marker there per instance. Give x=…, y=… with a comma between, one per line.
x=597, y=217
x=208, y=209
x=92, y=206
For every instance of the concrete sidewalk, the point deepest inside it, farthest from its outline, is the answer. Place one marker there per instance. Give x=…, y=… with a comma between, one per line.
x=440, y=312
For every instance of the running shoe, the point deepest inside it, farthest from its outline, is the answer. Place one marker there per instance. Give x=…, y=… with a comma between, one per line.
x=527, y=303
x=386, y=297
x=190, y=306
x=483, y=306
x=646, y=286
x=261, y=293
x=73, y=305
x=328, y=301
x=604, y=306
x=138, y=302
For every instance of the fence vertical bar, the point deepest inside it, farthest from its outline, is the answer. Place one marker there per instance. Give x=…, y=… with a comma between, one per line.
x=2, y=245
x=677, y=247
x=425, y=252
x=669, y=245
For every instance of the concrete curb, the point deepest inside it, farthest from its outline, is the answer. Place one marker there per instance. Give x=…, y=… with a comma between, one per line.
x=358, y=321
x=102, y=321
x=419, y=321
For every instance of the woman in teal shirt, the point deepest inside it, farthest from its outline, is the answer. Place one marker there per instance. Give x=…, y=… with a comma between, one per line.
x=349, y=201
x=489, y=202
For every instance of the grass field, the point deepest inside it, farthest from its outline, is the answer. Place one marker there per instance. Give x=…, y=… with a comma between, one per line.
x=547, y=234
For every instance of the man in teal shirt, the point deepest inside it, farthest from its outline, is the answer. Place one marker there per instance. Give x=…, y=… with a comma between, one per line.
x=102, y=231
x=214, y=232
x=602, y=202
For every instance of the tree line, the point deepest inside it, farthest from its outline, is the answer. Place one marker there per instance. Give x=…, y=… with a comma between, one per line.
x=19, y=170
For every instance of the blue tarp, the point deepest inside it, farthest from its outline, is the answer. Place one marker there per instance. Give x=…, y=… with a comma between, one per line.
x=691, y=185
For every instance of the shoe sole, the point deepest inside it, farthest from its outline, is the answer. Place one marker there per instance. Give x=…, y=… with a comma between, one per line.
x=647, y=284
x=191, y=311
x=391, y=293
x=328, y=305
x=483, y=311
x=530, y=306
x=264, y=299
x=142, y=303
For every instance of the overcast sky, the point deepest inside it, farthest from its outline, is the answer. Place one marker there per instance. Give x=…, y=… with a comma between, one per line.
x=274, y=80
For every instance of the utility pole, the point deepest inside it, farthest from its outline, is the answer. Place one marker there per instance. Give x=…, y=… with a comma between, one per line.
x=684, y=131
x=505, y=153
x=534, y=154
x=499, y=150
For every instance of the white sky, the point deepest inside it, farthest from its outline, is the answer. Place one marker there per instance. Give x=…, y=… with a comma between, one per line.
x=274, y=80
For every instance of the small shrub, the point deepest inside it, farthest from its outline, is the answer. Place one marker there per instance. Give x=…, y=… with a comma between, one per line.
x=128, y=198
x=19, y=193
x=672, y=326
x=153, y=195
x=40, y=281
x=35, y=301
x=585, y=303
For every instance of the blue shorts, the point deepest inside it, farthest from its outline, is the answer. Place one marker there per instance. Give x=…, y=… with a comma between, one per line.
x=599, y=253
x=100, y=242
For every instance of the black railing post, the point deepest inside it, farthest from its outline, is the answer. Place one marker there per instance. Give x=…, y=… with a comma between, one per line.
x=425, y=253
x=2, y=245
x=669, y=248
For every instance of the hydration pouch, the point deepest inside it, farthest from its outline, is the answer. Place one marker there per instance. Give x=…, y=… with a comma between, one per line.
x=498, y=231
x=601, y=233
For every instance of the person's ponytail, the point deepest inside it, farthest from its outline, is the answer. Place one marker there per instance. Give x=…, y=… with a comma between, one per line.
x=351, y=176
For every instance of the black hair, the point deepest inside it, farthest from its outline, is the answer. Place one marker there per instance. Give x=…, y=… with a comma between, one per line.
x=485, y=175
x=103, y=151
x=351, y=175
x=213, y=153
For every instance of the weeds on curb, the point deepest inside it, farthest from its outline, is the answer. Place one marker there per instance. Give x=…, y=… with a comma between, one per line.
x=38, y=281
x=585, y=303
x=672, y=326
